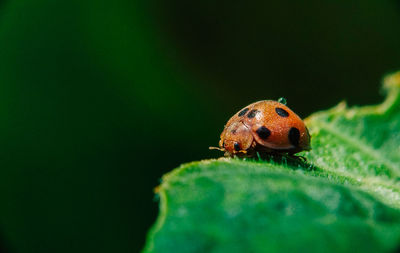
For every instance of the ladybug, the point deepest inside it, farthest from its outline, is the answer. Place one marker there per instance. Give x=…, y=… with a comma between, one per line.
x=264, y=127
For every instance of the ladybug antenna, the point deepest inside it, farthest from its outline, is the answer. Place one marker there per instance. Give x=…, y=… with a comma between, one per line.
x=216, y=148
x=282, y=100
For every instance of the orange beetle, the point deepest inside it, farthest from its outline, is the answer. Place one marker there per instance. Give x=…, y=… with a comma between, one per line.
x=265, y=127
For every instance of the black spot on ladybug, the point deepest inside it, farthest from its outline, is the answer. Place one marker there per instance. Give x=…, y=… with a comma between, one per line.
x=281, y=112
x=252, y=113
x=294, y=136
x=243, y=112
x=263, y=132
x=236, y=146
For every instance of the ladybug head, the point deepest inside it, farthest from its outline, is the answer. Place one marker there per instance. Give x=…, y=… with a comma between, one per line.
x=236, y=138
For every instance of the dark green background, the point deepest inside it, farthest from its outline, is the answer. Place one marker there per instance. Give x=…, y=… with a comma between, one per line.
x=99, y=98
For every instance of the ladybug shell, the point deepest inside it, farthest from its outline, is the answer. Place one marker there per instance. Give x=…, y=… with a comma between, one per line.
x=267, y=126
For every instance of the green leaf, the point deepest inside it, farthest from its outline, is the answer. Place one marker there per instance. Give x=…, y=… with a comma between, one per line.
x=362, y=143
x=344, y=198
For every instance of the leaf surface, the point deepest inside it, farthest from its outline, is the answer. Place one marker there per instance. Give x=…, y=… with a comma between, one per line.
x=345, y=197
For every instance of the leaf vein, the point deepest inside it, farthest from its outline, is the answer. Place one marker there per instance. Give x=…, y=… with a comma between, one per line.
x=362, y=146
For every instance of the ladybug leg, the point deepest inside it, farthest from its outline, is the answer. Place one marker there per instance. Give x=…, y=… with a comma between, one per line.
x=297, y=158
x=240, y=153
x=302, y=158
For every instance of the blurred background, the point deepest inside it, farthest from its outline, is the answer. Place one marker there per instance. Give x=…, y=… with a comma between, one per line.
x=98, y=99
